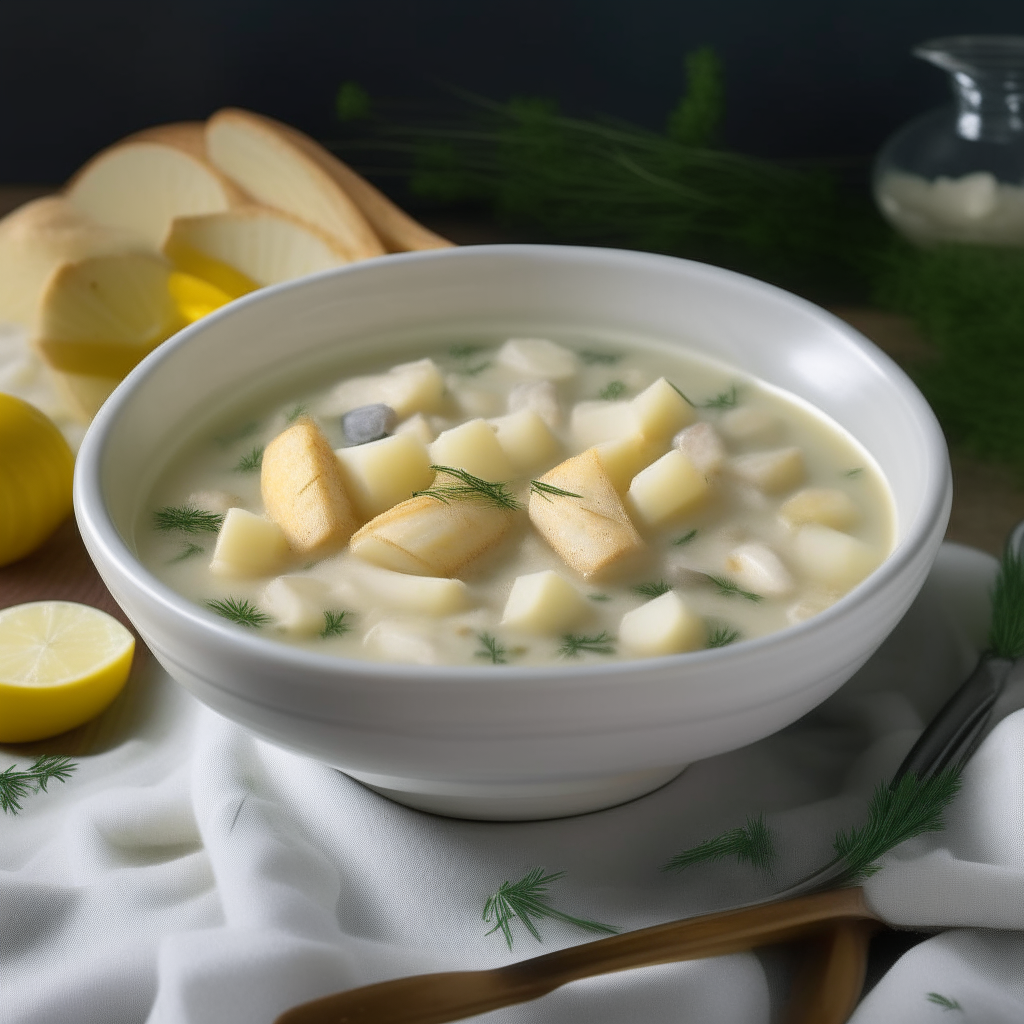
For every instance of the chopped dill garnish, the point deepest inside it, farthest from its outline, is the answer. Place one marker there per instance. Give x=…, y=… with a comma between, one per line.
x=244, y=612
x=723, y=400
x=527, y=900
x=187, y=519
x=615, y=389
x=335, y=624
x=655, y=588
x=543, y=489
x=470, y=488
x=472, y=371
x=308, y=566
x=944, y=1001
x=685, y=539
x=188, y=551
x=236, y=435
x=853, y=473
x=753, y=844
x=17, y=784
x=295, y=412
x=464, y=351
x=726, y=588
x=599, y=597
x=722, y=636
x=592, y=358
x=491, y=649
x=1006, y=633
x=252, y=462
x=573, y=644
x=679, y=392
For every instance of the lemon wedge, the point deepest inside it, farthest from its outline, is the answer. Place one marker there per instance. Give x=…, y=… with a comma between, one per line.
x=61, y=664
x=36, y=468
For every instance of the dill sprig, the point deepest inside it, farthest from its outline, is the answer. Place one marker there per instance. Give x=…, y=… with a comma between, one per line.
x=910, y=808
x=1006, y=633
x=470, y=488
x=543, y=489
x=187, y=519
x=685, y=539
x=726, y=588
x=335, y=624
x=17, y=784
x=527, y=901
x=251, y=462
x=464, y=351
x=491, y=649
x=599, y=597
x=853, y=473
x=753, y=844
x=592, y=358
x=573, y=644
x=653, y=588
x=944, y=1001
x=295, y=412
x=614, y=389
x=243, y=612
x=722, y=636
x=723, y=400
x=188, y=551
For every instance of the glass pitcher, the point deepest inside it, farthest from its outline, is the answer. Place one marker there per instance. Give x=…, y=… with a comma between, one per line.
x=956, y=174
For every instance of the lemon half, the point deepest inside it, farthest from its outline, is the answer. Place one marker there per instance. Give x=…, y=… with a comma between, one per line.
x=61, y=664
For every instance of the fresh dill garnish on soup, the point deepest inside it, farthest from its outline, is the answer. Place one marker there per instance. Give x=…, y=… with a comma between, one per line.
x=295, y=412
x=188, y=551
x=611, y=391
x=335, y=624
x=599, y=597
x=491, y=649
x=574, y=644
x=685, y=539
x=470, y=488
x=599, y=358
x=527, y=901
x=187, y=519
x=726, y=588
x=653, y=588
x=853, y=473
x=722, y=636
x=251, y=462
x=17, y=784
x=464, y=351
x=543, y=489
x=723, y=400
x=944, y=1001
x=243, y=612
x=472, y=371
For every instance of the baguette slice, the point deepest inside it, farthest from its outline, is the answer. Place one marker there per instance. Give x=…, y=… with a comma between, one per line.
x=286, y=169
x=592, y=533
x=303, y=490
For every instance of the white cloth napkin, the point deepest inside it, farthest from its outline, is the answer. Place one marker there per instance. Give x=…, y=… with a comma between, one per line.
x=191, y=874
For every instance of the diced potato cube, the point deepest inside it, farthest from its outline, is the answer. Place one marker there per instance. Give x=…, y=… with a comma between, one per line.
x=402, y=592
x=426, y=537
x=418, y=426
x=592, y=534
x=666, y=489
x=538, y=357
x=526, y=440
x=773, y=472
x=544, y=602
x=303, y=490
x=701, y=444
x=297, y=603
x=407, y=388
x=382, y=473
x=539, y=395
x=662, y=626
x=248, y=546
x=472, y=446
x=592, y=423
x=755, y=567
x=661, y=411
x=833, y=559
x=825, y=505
x=475, y=402
x=623, y=458
x=747, y=426
x=401, y=640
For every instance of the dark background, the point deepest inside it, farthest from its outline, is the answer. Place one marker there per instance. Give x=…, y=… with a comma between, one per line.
x=825, y=78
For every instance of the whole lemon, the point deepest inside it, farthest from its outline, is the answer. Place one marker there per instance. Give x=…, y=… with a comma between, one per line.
x=36, y=470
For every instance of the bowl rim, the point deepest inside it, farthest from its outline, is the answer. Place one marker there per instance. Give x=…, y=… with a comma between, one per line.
x=104, y=541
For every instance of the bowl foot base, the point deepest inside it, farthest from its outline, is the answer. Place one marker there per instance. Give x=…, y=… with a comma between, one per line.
x=527, y=801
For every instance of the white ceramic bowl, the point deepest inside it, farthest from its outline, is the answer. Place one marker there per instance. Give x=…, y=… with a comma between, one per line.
x=501, y=742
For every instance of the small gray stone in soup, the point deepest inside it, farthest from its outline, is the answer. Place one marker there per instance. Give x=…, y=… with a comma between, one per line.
x=368, y=423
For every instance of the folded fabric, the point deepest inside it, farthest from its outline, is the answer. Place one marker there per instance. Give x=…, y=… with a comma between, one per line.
x=190, y=873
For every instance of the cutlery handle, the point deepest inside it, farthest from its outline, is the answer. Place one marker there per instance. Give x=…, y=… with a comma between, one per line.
x=436, y=998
